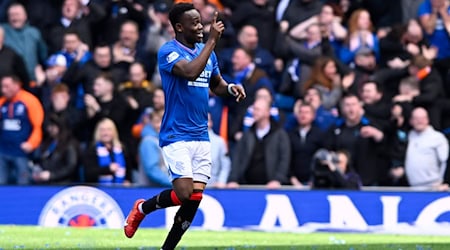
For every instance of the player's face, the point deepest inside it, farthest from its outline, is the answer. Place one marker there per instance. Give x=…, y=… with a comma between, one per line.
x=191, y=27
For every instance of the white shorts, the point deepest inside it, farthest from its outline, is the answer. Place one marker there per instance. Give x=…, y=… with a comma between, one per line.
x=189, y=159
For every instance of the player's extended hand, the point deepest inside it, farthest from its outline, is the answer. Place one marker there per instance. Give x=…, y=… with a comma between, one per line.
x=239, y=92
x=217, y=28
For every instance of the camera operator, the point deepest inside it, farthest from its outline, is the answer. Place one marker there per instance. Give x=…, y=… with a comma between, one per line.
x=333, y=170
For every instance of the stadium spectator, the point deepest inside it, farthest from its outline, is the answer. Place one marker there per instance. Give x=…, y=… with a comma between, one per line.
x=56, y=159
x=259, y=14
x=75, y=15
x=245, y=122
x=117, y=13
x=152, y=167
x=365, y=68
x=74, y=50
x=303, y=55
x=360, y=35
x=157, y=108
x=12, y=63
x=220, y=159
x=80, y=76
x=398, y=143
x=107, y=103
x=334, y=171
x=430, y=88
x=305, y=140
x=427, y=153
x=434, y=19
x=361, y=138
x=25, y=39
x=263, y=154
x=326, y=78
x=251, y=77
x=159, y=30
x=138, y=90
x=324, y=118
x=298, y=12
x=106, y=160
x=60, y=107
x=376, y=107
x=248, y=39
x=21, y=116
x=402, y=42
x=329, y=20
x=127, y=50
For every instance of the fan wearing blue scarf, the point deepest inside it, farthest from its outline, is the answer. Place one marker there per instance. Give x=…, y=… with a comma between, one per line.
x=105, y=158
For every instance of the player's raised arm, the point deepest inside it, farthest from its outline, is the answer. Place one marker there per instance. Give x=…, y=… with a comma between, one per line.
x=192, y=28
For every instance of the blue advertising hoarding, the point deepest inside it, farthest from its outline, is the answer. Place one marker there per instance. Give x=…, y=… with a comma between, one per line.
x=290, y=210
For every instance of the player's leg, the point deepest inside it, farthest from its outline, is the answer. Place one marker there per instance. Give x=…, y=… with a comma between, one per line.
x=185, y=215
x=201, y=168
x=178, y=159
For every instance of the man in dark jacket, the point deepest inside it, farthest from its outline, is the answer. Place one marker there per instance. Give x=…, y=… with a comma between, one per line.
x=263, y=154
x=361, y=138
x=305, y=140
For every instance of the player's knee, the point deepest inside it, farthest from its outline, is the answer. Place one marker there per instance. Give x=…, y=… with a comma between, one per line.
x=184, y=195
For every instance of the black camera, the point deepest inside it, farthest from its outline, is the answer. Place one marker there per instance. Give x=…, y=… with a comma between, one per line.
x=322, y=175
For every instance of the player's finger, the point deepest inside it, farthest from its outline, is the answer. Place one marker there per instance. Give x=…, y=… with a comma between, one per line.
x=215, y=17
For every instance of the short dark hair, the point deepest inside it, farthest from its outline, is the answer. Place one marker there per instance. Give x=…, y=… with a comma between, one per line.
x=248, y=52
x=106, y=76
x=347, y=96
x=14, y=78
x=177, y=12
x=308, y=105
x=378, y=86
x=72, y=31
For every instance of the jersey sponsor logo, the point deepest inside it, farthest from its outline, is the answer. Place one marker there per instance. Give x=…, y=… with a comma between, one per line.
x=172, y=57
x=202, y=80
x=198, y=84
x=81, y=206
x=11, y=125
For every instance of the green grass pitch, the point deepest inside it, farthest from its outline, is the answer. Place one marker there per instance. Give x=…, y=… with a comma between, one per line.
x=21, y=237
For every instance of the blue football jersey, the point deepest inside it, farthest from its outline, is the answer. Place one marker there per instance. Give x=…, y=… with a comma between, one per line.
x=186, y=102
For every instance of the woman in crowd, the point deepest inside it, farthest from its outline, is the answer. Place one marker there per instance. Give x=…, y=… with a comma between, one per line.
x=106, y=161
x=56, y=160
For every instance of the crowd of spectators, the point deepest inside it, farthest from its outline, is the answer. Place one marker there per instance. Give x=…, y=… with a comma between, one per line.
x=340, y=93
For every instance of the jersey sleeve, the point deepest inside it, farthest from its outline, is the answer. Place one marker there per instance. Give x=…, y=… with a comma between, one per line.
x=168, y=56
x=215, y=62
x=36, y=116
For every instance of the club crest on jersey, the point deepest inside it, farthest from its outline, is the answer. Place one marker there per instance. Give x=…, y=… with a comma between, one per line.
x=172, y=57
x=81, y=206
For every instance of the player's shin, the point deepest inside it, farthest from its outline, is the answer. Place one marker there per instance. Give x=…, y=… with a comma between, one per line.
x=166, y=198
x=183, y=220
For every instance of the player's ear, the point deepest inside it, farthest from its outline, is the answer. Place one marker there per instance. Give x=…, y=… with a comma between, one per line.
x=178, y=28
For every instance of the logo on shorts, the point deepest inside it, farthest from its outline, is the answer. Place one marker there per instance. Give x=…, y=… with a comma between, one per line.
x=81, y=206
x=179, y=166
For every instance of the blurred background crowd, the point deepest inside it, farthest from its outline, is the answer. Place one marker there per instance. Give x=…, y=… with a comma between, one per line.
x=340, y=93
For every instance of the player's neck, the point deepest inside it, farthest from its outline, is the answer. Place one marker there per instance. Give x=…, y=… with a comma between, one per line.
x=185, y=43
